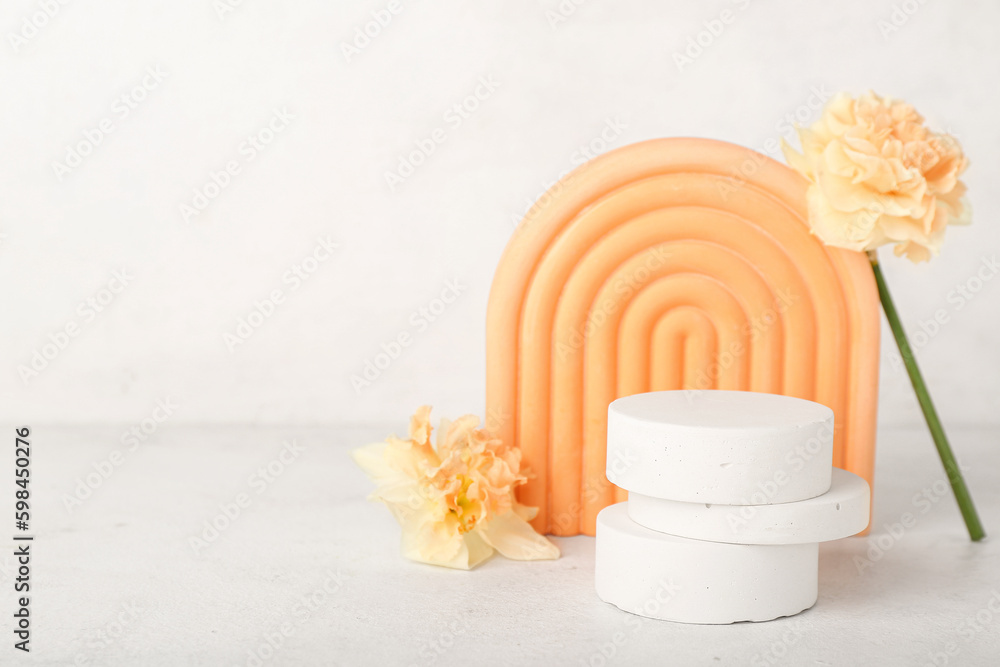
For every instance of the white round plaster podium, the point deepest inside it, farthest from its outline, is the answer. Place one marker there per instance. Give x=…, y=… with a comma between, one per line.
x=841, y=511
x=675, y=578
x=730, y=494
x=725, y=447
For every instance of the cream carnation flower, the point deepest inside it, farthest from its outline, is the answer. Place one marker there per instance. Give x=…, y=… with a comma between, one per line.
x=878, y=175
x=455, y=502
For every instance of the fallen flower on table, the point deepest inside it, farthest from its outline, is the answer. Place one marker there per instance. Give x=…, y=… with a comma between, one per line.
x=454, y=501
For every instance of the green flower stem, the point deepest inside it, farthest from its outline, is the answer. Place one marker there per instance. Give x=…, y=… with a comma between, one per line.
x=965, y=504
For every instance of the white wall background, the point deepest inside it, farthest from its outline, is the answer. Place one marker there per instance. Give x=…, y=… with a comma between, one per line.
x=560, y=82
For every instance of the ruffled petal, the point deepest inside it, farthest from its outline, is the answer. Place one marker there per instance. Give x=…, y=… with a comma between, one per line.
x=852, y=231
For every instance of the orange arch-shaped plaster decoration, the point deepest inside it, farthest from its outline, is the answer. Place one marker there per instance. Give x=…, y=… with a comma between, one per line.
x=670, y=264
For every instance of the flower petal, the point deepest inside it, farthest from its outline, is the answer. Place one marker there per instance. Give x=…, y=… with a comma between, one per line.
x=796, y=160
x=371, y=458
x=427, y=540
x=478, y=549
x=400, y=492
x=525, y=512
x=515, y=538
x=420, y=425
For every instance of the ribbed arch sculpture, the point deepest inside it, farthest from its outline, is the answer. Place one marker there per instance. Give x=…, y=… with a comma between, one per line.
x=670, y=264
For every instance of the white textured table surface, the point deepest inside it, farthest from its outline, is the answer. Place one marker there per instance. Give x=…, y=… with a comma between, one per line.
x=314, y=568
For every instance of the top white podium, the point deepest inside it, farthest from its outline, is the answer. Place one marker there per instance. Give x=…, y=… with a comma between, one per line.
x=725, y=447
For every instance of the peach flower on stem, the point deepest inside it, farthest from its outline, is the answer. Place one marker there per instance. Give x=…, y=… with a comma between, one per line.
x=877, y=176
x=454, y=501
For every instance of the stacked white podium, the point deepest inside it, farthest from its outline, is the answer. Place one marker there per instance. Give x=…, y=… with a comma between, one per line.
x=730, y=494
